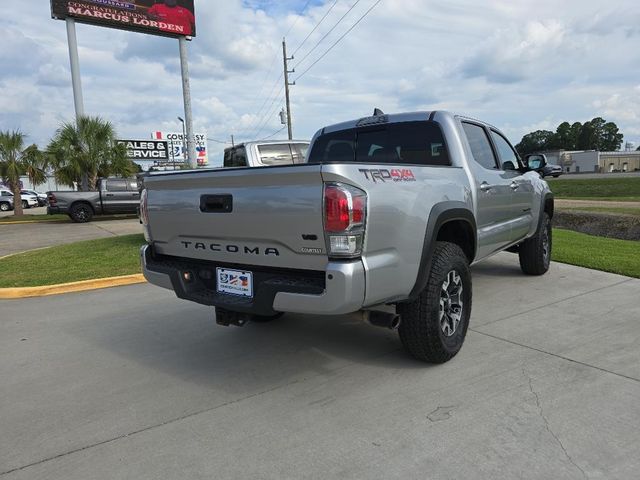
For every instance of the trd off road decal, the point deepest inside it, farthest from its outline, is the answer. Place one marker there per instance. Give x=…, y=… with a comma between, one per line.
x=382, y=174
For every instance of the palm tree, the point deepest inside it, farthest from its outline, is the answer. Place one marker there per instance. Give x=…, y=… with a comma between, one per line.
x=85, y=150
x=14, y=161
x=35, y=165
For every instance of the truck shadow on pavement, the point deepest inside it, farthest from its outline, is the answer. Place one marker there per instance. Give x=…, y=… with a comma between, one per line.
x=184, y=341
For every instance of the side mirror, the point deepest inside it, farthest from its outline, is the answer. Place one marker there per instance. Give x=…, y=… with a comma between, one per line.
x=535, y=162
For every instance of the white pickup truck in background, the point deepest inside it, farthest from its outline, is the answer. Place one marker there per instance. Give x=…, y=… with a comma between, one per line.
x=266, y=153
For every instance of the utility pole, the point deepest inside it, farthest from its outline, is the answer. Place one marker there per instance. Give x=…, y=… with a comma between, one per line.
x=286, y=85
x=186, y=93
x=232, y=142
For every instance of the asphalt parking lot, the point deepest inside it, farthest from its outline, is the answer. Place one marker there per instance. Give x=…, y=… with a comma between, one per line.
x=133, y=383
x=21, y=237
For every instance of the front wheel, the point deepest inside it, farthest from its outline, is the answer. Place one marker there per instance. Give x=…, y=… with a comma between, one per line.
x=433, y=326
x=5, y=207
x=25, y=204
x=535, y=252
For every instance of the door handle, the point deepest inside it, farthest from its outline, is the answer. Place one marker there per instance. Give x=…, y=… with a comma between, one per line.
x=109, y=194
x=514, y=186
x=485, y=187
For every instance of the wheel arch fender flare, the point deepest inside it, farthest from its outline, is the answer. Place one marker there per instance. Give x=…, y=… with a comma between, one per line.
x=441, y=214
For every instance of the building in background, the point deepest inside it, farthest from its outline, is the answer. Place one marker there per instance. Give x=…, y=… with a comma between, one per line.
x=592, y=161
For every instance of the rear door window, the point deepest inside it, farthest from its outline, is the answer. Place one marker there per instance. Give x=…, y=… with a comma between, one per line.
x=117, y=185
x=299, y=151
x=480, y=145
x=235, y=157
x=278, y=154
x=419, y=143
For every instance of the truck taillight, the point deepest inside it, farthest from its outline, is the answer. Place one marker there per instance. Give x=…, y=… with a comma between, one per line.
x=345, y=212
x=52, y=199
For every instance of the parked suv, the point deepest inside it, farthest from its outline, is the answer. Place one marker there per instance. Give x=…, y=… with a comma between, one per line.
x=384, y=219
x=28, y=200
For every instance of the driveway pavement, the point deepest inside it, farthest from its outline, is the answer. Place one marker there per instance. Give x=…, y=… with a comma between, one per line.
x=133, y=383
x=17, y=238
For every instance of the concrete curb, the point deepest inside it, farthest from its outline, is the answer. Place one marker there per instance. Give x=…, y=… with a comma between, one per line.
x=81, y=286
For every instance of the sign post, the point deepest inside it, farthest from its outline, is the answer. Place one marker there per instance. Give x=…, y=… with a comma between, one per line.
x=75, y=67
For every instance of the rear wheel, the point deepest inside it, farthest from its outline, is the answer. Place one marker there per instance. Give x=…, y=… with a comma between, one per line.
x=433, y=327
x=81, y=213
x=535, y=252
x=5, y=207
x=25, y=204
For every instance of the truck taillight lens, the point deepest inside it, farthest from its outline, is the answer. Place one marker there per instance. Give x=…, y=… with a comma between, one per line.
x=52, y=199
x=345, y=212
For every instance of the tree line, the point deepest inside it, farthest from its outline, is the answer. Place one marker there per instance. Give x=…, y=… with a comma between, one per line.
x=597, y=134
x=79, y=154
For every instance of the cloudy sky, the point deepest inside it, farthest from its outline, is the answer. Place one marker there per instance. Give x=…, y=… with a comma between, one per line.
x=521, y=65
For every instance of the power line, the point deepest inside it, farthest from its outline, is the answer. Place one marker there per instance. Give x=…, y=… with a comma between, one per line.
x=314, y=28
x=298, y=18
x=338, y=40
x=218, y=141
x=269, y=112
x=326, y=35
x=272, y=135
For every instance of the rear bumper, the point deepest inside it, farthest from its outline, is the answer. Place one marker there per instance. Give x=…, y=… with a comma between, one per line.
x=338, y=290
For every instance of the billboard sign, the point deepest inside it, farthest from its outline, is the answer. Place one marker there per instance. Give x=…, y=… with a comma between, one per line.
x=178, y=147
x=171, y=18
x=147, y=150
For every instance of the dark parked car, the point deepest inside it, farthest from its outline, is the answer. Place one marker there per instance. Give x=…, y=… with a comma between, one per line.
x=551, y=170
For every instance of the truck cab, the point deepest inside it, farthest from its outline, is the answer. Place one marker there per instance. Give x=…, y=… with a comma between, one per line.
x=266, y=153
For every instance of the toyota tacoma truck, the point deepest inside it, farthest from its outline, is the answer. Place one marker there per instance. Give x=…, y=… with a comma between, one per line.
x=384, y=219
x=114, y=196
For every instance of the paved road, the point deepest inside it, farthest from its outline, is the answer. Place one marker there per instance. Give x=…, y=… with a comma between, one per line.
x=133, y=383
x=21, y=237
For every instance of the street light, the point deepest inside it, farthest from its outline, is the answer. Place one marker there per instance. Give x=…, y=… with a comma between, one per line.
x=185, y=149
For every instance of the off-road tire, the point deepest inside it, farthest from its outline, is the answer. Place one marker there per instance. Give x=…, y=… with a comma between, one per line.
x=265, y=318
x=535, y=252
x=5, y=206
x=421, y=331
x=81, y=212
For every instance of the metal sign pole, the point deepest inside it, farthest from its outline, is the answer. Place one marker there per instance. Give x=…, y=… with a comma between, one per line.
x=186, y=92
x=75, y=67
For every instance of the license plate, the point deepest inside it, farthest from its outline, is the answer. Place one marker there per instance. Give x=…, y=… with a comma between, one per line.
x=234, y=282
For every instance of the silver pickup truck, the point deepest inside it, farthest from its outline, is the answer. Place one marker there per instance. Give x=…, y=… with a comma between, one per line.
x=384, y=219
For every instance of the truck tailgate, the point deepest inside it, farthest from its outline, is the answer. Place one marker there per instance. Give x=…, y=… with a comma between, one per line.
x=252, y=216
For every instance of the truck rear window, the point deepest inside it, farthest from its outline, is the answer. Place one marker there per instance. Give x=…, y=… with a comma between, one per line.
x=420, y=143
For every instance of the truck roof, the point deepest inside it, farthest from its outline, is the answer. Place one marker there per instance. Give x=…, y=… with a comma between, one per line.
x=395, y=118
x=266, y=142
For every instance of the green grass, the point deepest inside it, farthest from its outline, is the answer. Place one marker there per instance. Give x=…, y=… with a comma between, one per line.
x=618, y=210
x=598, y=253
x=618, y=189
x=59, y=218
x=116, y=256
x=102, y=258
